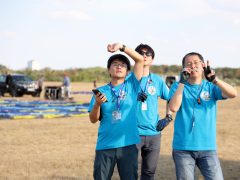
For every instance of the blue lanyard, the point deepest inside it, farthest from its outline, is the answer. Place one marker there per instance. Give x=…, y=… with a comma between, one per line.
x=147, y=83
x=117, y=93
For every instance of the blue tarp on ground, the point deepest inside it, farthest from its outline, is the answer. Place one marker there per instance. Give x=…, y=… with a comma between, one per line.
x=15, y=109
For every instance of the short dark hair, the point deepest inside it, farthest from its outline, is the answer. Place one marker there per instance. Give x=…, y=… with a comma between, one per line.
x=145, y=46
x=192, y=54
x=119, y=57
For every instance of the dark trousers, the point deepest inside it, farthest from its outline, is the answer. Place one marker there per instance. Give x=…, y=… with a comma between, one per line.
x=124, y=157
x=150, y=149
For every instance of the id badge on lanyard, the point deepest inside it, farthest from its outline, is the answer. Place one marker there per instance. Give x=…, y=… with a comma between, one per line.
x=144, y=105
x=116, y=116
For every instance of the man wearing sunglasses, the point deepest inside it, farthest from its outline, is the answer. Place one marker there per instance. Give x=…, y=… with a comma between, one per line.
x=151, y=88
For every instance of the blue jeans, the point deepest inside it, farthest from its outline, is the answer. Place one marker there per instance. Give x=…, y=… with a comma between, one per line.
x=124, y=157
x=206, y=161
x=150, y=149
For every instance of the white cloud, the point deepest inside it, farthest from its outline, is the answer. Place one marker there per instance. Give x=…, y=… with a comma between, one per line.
x=106, y=6
x=8, y=34
x=236, y=21
x=78, y=15
x=226, y=5
x=180, y=10
x=197, y=7
x=120, y=6
x=227, y=9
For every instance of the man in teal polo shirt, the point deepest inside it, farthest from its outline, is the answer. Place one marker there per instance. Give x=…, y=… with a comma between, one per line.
x=152, y=87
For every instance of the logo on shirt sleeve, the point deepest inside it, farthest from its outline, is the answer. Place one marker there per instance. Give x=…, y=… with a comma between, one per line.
x=205, y=95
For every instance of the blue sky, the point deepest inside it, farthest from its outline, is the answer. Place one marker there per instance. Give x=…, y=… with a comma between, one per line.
x=63, y=34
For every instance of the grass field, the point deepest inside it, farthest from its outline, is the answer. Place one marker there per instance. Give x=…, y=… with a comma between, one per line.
x=64, y=148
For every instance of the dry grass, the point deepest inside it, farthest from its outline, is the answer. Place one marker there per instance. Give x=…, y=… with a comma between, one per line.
x=64, y=148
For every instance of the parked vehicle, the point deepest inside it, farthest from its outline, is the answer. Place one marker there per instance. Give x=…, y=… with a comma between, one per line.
x=20, y=84
x=170, y=80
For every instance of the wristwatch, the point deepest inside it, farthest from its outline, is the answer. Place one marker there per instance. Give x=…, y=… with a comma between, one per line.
x=122, y=48
x=169, y=117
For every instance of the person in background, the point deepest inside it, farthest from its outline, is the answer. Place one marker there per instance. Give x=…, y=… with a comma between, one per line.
x=194, y=99
x=40, y=85
x=94, y=84
x=66, y=87
x=152, y=87
x=9, y=80
x=117, y=133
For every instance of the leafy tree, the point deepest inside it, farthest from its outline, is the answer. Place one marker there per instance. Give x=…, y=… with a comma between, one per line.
x=231, y=75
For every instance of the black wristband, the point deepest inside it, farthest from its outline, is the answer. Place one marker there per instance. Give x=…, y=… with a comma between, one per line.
x=122, y=48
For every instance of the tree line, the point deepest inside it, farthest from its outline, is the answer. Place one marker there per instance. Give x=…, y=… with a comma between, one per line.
x=100, y=74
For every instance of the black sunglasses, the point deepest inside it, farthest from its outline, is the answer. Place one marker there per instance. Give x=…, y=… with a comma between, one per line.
x=148, y=53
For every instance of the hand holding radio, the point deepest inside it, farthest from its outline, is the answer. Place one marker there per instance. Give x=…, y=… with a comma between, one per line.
x=184, y=76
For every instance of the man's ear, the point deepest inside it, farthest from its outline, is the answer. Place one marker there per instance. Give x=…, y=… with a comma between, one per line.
x=109, y=73
x=202, y=63
x=151, y=61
